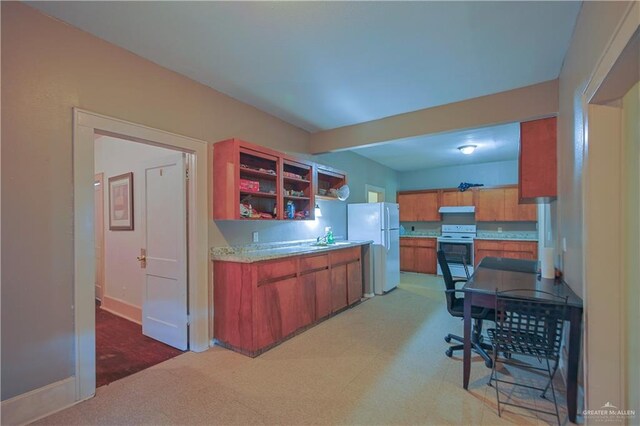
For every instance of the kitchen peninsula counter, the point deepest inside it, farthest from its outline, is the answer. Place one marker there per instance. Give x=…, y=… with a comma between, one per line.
x=264, y=294
x=269, y=251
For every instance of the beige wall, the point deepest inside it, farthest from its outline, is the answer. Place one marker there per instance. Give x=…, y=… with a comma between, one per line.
x=47, y=68
x=591, y=221
x=595, y=26
x=631, y=248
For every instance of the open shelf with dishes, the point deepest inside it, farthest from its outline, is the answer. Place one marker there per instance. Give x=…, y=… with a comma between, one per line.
x=297, y=189
x=328, y=181
x=251, y=182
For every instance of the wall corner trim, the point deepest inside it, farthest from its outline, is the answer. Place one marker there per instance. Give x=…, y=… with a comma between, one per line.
x=39, y=403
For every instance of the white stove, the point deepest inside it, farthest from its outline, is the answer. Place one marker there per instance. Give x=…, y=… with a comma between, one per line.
x=457, y=243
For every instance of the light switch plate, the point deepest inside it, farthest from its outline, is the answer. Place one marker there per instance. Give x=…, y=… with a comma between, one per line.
x=564, y=244
x=255, y=237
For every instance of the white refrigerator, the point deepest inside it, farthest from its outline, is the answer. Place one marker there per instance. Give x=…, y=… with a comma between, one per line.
x=380, y=223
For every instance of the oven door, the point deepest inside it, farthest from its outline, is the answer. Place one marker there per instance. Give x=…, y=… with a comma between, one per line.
x=455, y=252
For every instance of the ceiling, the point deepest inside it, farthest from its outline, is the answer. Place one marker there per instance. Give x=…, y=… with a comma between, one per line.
x=322, y=65
x=496, y=143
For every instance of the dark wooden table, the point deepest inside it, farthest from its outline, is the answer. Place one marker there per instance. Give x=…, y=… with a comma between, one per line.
x=501, y=274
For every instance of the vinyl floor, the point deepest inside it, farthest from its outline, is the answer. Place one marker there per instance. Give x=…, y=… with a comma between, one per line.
x=379, y=363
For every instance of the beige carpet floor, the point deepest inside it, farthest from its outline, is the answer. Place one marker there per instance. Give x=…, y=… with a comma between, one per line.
x=379, y=363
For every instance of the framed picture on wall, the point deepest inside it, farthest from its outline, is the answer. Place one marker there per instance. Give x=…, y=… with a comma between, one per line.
x=121, y=202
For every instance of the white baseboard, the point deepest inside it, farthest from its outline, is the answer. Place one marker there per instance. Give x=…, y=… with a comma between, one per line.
x=122, y=309
x=39, y=403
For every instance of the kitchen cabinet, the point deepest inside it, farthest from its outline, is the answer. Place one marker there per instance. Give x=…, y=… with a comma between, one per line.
x=276, y=311
x=505, y=248
x=514, y=211
x=501, y=205
x=538, y=165
x=327, y=181
x=418, y=255
x=258, y=305
x=419, y=206
x=455, y=198
x=346, y=277
x=251, y=182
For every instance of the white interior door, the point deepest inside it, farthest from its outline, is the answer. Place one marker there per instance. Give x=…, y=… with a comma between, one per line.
x=164, y=213
x=98, y=215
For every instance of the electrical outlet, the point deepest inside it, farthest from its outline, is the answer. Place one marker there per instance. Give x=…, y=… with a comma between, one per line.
x=499, y=228
x=255, y=237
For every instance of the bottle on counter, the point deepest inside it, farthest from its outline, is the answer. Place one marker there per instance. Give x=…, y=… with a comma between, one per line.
x=329, y=235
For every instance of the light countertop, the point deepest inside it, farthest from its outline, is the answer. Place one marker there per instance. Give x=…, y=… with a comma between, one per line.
x=481, y=235
x=260, y=252
x=510, y=235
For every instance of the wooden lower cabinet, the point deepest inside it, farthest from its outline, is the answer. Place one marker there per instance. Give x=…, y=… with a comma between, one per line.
x=338, y=287
x=418, y=255
x=258, y=305
x=277, y=311
x=354, y=282
x=505, y=248
x=322, y=281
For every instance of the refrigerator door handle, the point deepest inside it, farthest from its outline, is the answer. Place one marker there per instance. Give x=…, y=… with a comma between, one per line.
x=388, y=218
x=387, y=244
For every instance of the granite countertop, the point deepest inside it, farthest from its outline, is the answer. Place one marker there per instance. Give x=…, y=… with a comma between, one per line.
x=481, y=235
x=421, y=234
x=510, y=235
x=268, y=251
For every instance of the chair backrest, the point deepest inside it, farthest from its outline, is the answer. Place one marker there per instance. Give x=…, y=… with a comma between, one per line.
x=529, y=326
x=448, y=278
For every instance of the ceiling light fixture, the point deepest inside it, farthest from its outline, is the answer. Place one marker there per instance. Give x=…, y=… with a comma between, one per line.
x=467, y=149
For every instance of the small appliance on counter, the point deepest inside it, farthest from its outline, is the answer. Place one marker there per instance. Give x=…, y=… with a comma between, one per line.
x=379, y=222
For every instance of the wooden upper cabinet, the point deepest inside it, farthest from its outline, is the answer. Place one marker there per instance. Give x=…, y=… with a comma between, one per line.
x=407, y=210
x=514, y=211
x=454, y=198
x=501, y=205
x=419, y=206
x=538, y=163
x=247, y=175
x=490, y=205
x=326, y=180
x=427, y=207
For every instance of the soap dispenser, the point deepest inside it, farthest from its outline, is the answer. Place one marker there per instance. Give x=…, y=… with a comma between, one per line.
x=329, y=234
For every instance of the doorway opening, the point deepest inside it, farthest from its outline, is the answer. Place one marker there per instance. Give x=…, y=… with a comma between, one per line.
x=611, y=196
x=140, y=254
x=374, y=194
x=86, y=125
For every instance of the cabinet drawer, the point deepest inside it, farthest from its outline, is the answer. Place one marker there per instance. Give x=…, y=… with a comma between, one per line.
x=408, y=242
x=418, y=242
x=426, y=242
x=338, y=257
x=276, y=270
x=488, y=245
x=314, y=263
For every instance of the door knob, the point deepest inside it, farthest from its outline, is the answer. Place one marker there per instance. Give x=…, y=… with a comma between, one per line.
x=142, y=258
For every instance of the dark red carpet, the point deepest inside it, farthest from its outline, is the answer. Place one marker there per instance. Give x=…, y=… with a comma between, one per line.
x=122, y=349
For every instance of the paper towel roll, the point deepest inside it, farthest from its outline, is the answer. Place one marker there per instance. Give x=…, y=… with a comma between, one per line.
x=547, y=266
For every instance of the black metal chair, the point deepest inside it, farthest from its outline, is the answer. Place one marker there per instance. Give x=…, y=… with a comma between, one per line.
x=531, y=328
x=455, y=306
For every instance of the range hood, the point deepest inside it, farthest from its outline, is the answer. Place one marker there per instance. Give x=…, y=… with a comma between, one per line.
x=457, y=209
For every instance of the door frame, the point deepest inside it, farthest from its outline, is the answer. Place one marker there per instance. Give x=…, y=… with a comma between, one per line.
x=85, y=125
x=99, y=177
x=601, y=240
